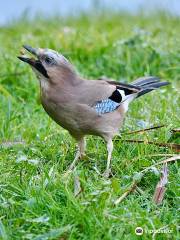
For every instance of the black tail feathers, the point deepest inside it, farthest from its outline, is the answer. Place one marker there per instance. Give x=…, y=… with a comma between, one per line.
x=148, y=84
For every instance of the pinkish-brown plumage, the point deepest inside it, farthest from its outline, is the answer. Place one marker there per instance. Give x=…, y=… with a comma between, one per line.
x=84, y=107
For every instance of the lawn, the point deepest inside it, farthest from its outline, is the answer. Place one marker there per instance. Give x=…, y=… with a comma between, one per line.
x=36, y=202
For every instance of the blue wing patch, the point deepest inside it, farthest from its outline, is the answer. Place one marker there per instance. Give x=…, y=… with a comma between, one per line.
x=106, y=106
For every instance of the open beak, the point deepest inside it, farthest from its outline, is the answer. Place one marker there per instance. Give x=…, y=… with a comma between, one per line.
x=33, y=51
x=34, y=62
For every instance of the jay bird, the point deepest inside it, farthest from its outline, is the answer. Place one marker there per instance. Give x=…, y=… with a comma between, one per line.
x=84, y=107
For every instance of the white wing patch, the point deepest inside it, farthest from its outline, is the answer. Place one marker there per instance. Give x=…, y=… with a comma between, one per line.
x=127, y=101
x=122, y=94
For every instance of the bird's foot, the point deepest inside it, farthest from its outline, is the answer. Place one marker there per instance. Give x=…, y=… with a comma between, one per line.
x=107, y=173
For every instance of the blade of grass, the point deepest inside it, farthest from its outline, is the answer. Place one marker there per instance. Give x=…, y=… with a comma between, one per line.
x=3, y=233
x=5, y=92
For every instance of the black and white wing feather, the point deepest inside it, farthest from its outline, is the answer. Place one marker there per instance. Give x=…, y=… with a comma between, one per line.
x=125, y=93
x=113, y=102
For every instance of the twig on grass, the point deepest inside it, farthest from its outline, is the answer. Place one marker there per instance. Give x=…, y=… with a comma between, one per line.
x=173, y=146
x=176, y=130
x=171, y=159
x=161, y=155
x=145, y=129
x=125, y=194
x=141, y=174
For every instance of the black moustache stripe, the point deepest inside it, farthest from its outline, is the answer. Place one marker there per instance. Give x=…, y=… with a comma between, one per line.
x=38, y=65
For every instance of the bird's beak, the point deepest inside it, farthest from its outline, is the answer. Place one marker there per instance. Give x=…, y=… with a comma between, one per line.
x=32, y=50
x=26, y=59
x=34, y=62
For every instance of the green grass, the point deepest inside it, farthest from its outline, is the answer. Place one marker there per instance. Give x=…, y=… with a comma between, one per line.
x=35, y=201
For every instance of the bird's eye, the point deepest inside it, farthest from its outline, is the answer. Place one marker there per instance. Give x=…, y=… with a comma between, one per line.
x=49, y=60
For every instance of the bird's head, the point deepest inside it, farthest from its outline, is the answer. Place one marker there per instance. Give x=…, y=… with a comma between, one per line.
x=48, y=64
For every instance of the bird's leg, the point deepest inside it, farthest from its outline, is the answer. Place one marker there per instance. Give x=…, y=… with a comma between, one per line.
x=79, y=154
x=82, y=147
x=108, y=166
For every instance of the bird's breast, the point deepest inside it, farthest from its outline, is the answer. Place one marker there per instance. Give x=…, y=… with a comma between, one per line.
x=62, y=114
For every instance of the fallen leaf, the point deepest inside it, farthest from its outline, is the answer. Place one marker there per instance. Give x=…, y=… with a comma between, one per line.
x=160, y=187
